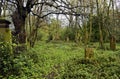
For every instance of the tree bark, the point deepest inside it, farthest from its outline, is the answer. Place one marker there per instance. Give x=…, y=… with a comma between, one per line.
x=19, y=23
x=101, y=37
x=100, y=25
x=91, y=18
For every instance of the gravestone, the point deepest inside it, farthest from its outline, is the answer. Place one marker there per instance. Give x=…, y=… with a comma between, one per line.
x=5, y=32
x=112, y=42
x=89, y=53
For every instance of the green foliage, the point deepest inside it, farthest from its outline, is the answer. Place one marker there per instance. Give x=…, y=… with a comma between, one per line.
x=68, y=32
x=60, y=60
x=5, y=59
x=100, y=68
x=14, y=66
x=95, y=29
x=65, y=61
x=1, y=38
x=42, y=35
x=24, y=66
x=54, y=30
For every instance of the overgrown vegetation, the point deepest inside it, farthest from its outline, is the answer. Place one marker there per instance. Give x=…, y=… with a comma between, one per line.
x=59, y=60
x=60, y=39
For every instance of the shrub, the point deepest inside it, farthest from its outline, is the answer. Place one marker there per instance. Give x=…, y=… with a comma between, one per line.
x=14, y=66
x=68, y=32
x=6, y=57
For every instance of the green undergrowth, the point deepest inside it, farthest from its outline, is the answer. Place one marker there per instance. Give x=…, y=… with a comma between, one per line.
x=61, y=60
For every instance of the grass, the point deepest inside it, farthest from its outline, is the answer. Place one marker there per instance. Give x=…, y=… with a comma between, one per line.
x=62, y=60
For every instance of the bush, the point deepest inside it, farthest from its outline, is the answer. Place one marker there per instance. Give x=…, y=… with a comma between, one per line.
x=104, y=68
x=14, y=66
x=68, y=32
x=6, y=57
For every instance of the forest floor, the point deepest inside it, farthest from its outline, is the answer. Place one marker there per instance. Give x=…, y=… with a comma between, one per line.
x=62, y=60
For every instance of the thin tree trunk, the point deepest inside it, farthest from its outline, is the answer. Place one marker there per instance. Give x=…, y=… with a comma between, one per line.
x=91, y=13
x=85, y=25
x=101, y=37
x=99, y=25
x=112, y=37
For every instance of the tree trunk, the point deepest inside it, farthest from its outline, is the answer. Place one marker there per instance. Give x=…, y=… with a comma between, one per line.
x=100, y=25
x=101, y=38
x=20, y=32
x=19, y=23
x=86, y=35
x=91, y=18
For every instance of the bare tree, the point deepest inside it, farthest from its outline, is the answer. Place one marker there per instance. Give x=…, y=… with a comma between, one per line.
x=24, y=7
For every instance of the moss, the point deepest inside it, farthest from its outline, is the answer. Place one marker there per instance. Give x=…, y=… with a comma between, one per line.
x=6, y=35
